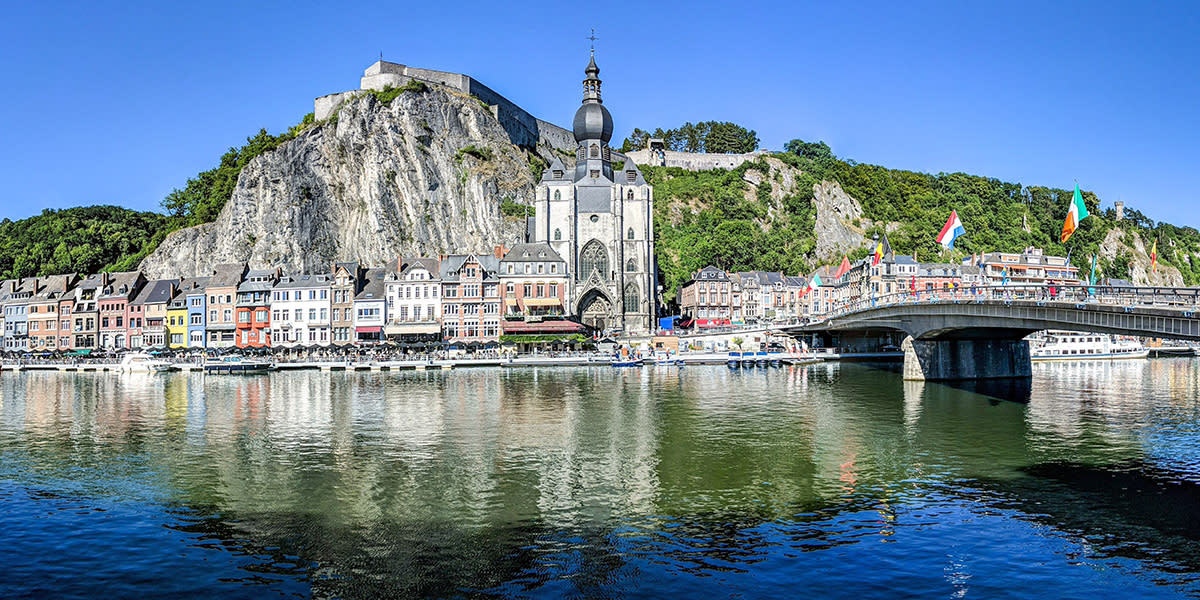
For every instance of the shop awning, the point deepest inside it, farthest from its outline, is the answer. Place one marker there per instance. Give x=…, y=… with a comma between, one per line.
x=368, y=329
x=512, y=327
x=510, y=301
x=403, y=328
x=542, y=302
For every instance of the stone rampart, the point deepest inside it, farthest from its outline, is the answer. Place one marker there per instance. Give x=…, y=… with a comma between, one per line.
x=692, y=161
x=523, y=128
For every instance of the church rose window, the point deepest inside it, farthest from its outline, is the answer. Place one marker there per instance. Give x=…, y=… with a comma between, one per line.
x=631, y=298
x=593, y=258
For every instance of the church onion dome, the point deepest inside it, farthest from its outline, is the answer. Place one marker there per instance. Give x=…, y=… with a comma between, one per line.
x=592, y=122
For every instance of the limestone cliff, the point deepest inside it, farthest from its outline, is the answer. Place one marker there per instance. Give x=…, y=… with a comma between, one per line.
x=1120, y=246
x=424, y=174
x=839, y=225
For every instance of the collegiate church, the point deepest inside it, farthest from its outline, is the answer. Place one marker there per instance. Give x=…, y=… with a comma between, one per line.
x=600, y=222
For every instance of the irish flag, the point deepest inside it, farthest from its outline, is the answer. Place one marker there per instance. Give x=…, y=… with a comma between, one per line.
x=1154, y=257
x=1077, y=213
x=951, y=230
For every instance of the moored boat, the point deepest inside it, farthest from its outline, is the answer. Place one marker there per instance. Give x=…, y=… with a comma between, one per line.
x=1073, y=345
x=140, y=362
x=237, y=365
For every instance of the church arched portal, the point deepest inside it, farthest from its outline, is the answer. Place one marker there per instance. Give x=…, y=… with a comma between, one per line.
x=596, y=310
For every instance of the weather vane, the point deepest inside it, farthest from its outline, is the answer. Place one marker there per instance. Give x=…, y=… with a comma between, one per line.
x=593, y=38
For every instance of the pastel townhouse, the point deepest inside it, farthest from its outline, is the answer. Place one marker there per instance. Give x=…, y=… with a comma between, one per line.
x=370, y=307
x=197, y=302
x=6, y=288
x=534, y=281
x=148, y=314
x=176, y=324
x=534, y=289
x=85, y=314
x=16, y=315
x=706, y=300
x=300, y=311
x=414, y=306
x=347, y=282
x=254, y=308
x=471, y=298
x=221, y=293
x=66, y=308
x=44, y=323
x=113, y=301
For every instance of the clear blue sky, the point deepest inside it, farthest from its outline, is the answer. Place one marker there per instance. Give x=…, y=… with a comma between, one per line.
x=120, y=104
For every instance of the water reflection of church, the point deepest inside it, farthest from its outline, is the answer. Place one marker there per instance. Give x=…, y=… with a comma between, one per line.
x=600, y=221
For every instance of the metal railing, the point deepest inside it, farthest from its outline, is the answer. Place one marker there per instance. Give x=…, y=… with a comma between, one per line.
x=1182, y=299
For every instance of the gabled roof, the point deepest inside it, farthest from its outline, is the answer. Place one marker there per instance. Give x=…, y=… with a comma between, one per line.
x=710, y=273
x=304, y=281
x=156, y=292
x=452, y=264
x=53, y=287
x=556, y=166
x=429, y=264
x=534, y=252
x=188, y=286
x=227, y=275
x=373, y=288
x=122, y=285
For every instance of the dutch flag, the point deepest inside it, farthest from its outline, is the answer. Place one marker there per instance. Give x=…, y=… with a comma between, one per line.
x=951, y=230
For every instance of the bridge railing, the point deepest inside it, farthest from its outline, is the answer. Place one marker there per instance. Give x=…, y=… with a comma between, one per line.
x=1186, y=300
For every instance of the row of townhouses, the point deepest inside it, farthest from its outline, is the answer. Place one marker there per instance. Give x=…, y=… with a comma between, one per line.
x=714, y=298
x=469, y=298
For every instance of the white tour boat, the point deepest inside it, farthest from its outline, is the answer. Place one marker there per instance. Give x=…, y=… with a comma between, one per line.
x=140, y=362
x=1074, y=345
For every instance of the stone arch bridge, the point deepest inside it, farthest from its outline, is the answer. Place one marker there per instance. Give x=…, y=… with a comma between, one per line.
x=979, y=334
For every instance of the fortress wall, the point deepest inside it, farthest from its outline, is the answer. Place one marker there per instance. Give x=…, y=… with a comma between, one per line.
x=523, y=128
x=692, y=161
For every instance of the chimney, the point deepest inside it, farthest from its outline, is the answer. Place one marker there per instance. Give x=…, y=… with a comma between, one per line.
x=498, y=252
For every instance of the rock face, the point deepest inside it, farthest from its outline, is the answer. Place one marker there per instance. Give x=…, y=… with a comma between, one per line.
x=1120, y=245
x=423, y=175
x=839, y=221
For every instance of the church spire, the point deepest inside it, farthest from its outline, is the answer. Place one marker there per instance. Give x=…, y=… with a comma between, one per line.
x=591, y=83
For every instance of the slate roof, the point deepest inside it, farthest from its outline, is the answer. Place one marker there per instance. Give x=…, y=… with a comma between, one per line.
x=518, y=253
x=373, y=288
x=158, y=291
x=122, y=285
x=453, y=263
x=304, y=281
x=710, y=273
x=227, y=275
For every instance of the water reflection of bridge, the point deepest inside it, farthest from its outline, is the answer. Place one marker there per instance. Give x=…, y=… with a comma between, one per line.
x=978, y=335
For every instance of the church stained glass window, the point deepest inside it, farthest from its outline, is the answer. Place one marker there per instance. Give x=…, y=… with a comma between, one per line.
x=557, y=195
x=631, y=298
x=630, y=233
x=593, y=258
x=557, y=234
x=631, y=265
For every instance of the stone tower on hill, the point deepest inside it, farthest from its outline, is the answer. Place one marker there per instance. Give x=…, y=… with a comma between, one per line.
x=600, y=223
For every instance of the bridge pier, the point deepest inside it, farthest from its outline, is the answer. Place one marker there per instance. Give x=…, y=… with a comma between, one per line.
x=956, y=360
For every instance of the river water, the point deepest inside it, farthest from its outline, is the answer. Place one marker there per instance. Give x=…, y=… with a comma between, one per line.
x=822, y=481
